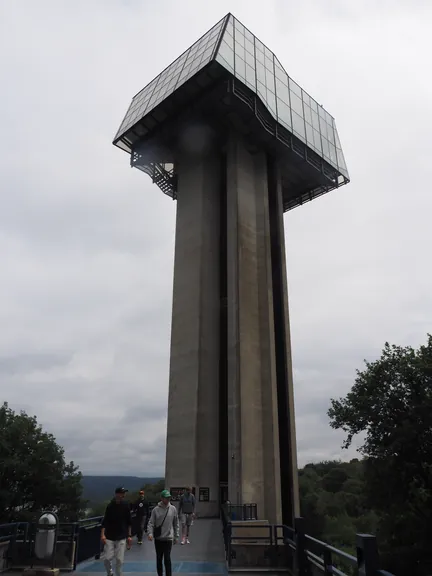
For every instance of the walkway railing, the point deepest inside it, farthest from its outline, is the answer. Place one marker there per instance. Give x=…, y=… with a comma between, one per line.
x=259, y=544
x=76, y=542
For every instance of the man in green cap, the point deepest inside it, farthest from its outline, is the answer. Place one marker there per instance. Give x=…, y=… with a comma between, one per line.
x=163, y=529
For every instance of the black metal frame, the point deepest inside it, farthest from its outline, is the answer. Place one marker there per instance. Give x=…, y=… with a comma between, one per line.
x=215, y=94
x=305, y=554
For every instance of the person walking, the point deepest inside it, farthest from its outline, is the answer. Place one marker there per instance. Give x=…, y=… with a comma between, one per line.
x=116, y=530
x=187, y=513
x=163, y=529
x=141, y=509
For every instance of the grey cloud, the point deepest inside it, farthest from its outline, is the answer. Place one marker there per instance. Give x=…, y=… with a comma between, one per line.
x=86, y=243
x=24, y=363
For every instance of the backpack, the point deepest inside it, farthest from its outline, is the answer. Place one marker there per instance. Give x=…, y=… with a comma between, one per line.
x=187, y=503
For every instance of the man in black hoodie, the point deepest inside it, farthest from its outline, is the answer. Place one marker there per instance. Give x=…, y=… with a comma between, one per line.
x=116, y=529
x=141, y=509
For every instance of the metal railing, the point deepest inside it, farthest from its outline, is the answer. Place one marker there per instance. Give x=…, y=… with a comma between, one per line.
x=255, y=544
x=242, y=511
x=81, y=539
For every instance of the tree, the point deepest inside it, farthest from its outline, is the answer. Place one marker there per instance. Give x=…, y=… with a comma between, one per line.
x=391, y=404
x=33, y=472
x=334, y=480
x=152, y=491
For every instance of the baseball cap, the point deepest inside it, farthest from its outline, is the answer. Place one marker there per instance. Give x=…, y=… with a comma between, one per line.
x=165, y=494
x=120, y=490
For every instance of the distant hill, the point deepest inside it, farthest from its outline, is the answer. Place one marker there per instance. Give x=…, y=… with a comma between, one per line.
x=97, y=489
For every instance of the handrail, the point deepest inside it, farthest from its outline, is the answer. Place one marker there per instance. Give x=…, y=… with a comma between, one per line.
x=321, y=555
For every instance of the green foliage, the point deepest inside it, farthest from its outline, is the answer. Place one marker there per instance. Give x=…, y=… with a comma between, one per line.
x=332, y=501
x=391, y=404
x=33, y=473
x=152, y=491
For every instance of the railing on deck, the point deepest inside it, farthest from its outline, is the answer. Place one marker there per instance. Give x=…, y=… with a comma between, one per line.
x=78, y=541
x=253, y=544
x=242, y=511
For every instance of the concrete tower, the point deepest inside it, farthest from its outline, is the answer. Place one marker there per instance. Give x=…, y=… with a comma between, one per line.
x=226, y=132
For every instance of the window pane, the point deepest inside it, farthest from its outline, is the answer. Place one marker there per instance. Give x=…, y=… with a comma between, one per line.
x=250, y=75
x=250, y=59
x=284, y=113
x=226, y=53
x=259, y=55
x=298, y=126
x=270, y=80
x=295, y=88
x=261, y=73
x=240, y=67
x=296, y=104
x=250, y=47
x=309, y=135
x=282, y=91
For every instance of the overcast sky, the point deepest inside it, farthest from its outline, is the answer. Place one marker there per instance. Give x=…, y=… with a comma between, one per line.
x=86, y=243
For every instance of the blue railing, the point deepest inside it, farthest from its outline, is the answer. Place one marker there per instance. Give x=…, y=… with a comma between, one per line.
x=279, y=546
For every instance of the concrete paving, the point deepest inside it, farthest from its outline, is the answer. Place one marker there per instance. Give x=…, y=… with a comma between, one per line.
x=205, y=555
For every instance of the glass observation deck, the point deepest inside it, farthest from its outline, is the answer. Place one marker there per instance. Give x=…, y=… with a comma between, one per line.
x=230, y=61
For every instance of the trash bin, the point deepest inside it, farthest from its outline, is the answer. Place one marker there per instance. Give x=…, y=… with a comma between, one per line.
x=46, y=537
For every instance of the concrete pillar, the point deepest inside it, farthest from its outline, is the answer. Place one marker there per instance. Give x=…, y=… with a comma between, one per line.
x=193, y=404
x=287, y=428
x=254, y=470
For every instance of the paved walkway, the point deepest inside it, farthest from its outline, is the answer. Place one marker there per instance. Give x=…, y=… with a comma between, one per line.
x=204, y=556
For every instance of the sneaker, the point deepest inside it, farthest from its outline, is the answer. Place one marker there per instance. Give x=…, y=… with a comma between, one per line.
x=182, y=542
x=187, y=541
x=140, y=542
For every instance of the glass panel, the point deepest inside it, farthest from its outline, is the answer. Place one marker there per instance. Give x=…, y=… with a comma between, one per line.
x=259, y=55
x=309, y=135
x=240, y=67
x=296, y=104
x=261, y=73
x=226, y=53
x=317, y=140
x=225, y=64
x=239, y=26
x=280, y=75
x=229, y=40
x=262, y=92
x=271, y=101
x=298, y=126
x=282, y=91
x=239, y=38
x=325, y=147
x=270, y=80
x=333, y=157
x=250, y=47
x=295, y=88
x=284, y=113
x=249, y=35
x=250, y=75
x=315, y=121
x=307, y=113
x=250, y=59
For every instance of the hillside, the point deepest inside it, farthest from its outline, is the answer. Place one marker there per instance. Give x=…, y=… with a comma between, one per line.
x=98, y=489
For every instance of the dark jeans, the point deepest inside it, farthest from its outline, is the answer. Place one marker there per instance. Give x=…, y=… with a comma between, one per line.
x=141, y=526
x=163, y=552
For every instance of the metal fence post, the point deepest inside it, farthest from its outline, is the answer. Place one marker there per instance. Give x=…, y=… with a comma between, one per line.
x=367, y=555
x=301, y=561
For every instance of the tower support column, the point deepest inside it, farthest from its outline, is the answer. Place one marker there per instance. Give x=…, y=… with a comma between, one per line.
x=253, y=432
x=193, y=405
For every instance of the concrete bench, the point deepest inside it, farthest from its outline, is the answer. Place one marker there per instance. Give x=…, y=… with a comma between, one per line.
x=250, y=532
